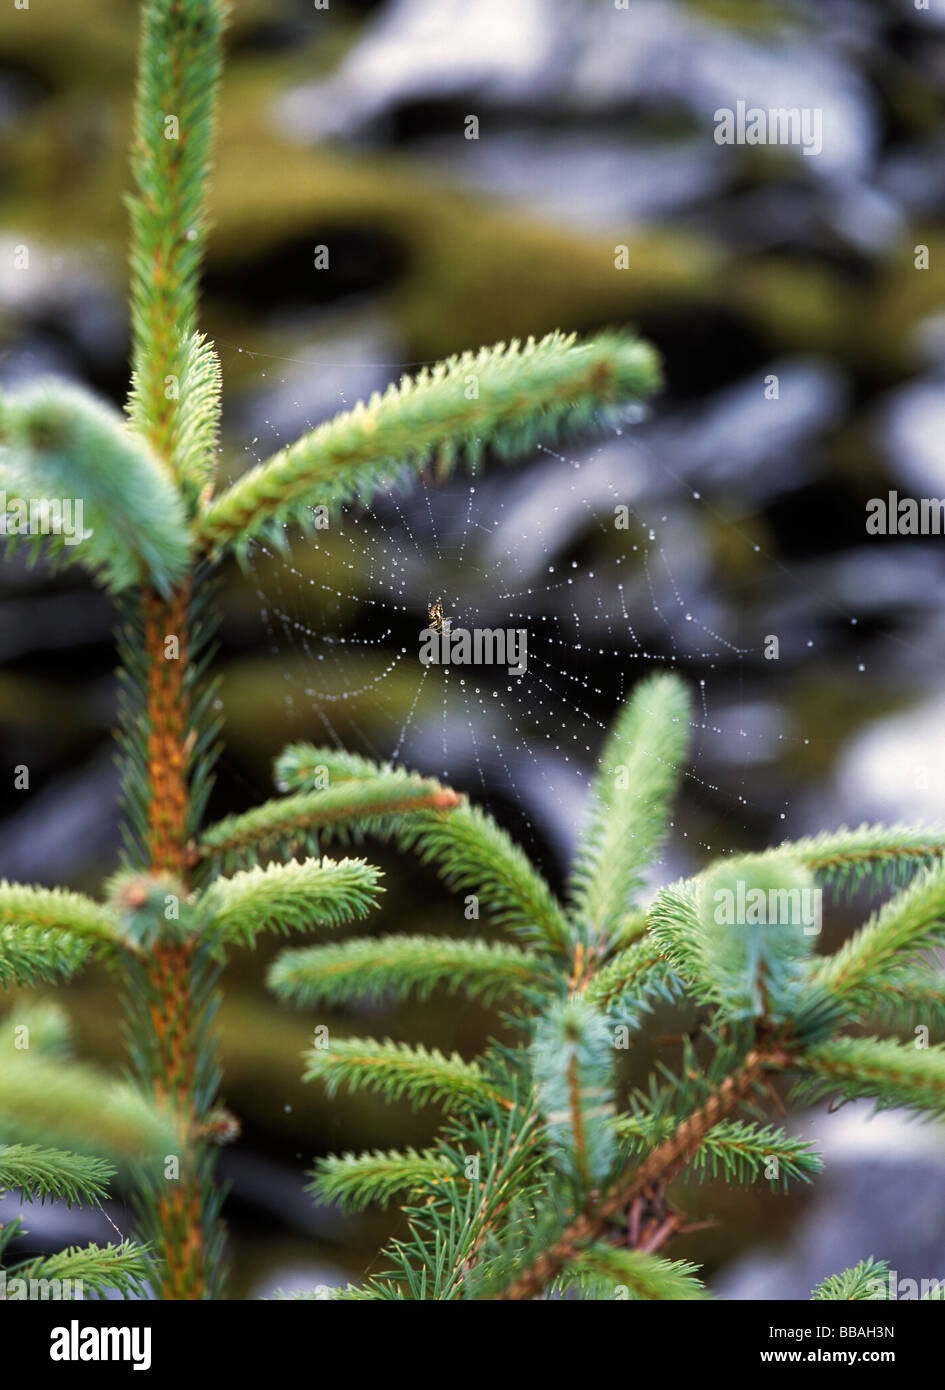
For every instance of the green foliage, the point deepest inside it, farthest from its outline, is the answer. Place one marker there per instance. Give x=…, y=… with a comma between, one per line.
x=42, y=1093
x=886, y=946
x=572, y=1063
x=876, y=856
x=289, y=897
x=41, y=1100
x=356, y=1181
x=509, y=398
x=399, y=965
x=737, y=1151
x=59, y=443
x=865, y=1281
x=38, y=1173
x=421, y=1075
x=631, y=982
x=57, y=911
x=471, y=853
x=198, y=428
x=606, y=1272
x=547, y=1180
x=467, y=848
x=173, y=374
x=909, y=999
x=31, y=953
x=294, y=824
x=752, y=941
x=880, y=1069
x=638, y=773
x=101, y=1269
x=447, y=1252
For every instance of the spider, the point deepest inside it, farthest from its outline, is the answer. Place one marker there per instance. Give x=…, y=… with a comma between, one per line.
x=435, y=614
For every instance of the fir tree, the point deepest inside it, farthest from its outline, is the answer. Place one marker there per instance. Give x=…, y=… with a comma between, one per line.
x=157, y=528
x=545, y=1176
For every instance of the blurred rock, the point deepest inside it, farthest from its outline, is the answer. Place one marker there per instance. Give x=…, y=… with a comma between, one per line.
x=882, y=1194
x=587, y=58
x=66, y=827
x=895, y=769
x=913, y=433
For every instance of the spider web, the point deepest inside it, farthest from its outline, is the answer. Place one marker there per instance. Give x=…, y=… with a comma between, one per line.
x=531, y=547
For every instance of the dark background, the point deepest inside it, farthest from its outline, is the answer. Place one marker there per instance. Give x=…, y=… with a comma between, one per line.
x=345, y=127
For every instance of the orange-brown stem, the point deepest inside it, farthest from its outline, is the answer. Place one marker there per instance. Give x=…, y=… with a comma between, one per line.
x=172, y=1011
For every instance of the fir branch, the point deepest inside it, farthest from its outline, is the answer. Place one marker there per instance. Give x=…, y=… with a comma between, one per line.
x=43, y=1100
x=371, y=967
x=673, y=928
x=907, y=924
x=912, y=921
x=395, y=1070
x=198, y=424
x=63, y=446
x=308, y=767
x=877, y=854
x=99, y=1269
x=752, y=939
x=629, y=807
x=289, y=897
x=741, y=1152
x=30, y=953
x=178, y=75
x=56, y=909
x=523, y=396
x=737, y=1151
x=293, y=823
x=356, y=1181
x=572, y=1065
x=450, y=1252
x=469, y=850
x=631, y=982
x=914, y=996
x=877, y=1069
x=865, y=1281
x=472, y=853
x=636, y=1275
x=47, y=933
x=39, y=1173
x=748, y=969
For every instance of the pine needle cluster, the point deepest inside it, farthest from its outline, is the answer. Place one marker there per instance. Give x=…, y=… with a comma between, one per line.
x=549, y=1177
